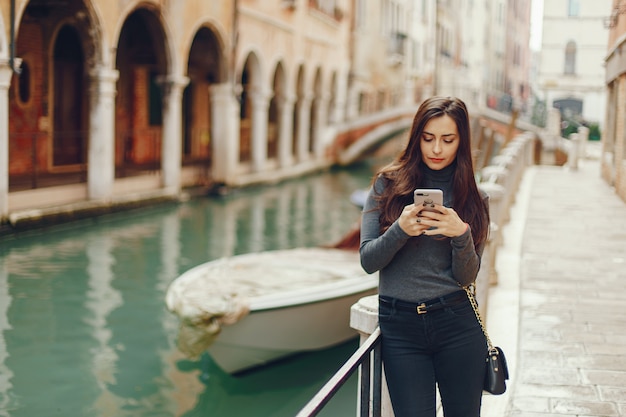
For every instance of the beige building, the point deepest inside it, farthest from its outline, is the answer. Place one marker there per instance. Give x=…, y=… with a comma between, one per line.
x=483, y=52
x=517, y=54
x=571, y=72
x=102, y=101
x=385, y=55
x=614, y=136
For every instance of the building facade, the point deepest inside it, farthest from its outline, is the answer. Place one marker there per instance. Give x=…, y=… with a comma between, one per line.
x=517, y=55
x=116, y=98
x=483, y=52
x=571, y=72
x=613, y=163
x=104, y=100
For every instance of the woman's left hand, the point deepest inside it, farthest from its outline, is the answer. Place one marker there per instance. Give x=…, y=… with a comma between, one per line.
x=444, y=222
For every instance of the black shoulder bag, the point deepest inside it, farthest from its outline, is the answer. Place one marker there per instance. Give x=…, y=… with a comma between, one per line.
x=497, y=371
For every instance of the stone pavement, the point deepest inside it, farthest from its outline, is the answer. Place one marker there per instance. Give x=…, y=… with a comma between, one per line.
x=559, y=308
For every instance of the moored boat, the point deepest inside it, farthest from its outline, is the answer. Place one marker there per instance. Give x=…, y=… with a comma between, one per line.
x=249, y=310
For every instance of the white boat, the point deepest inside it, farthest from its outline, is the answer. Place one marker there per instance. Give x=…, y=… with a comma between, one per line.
x=249, y=310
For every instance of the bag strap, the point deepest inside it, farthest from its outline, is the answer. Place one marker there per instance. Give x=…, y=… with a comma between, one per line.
x=471, y=290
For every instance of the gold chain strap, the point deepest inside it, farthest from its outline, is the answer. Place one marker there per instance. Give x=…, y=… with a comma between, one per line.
x=470, y=294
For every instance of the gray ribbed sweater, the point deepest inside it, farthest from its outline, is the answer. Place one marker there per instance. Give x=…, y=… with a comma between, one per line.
x=419, y=268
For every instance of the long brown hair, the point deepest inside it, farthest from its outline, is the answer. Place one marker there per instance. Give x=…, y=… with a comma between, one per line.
x=405, y=174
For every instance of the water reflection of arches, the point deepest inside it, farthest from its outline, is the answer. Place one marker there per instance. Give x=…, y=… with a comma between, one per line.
x=87, y=290
x=141, y=62
x=5, y=326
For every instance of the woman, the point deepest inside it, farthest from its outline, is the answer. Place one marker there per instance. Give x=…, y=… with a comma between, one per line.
x=424, y=258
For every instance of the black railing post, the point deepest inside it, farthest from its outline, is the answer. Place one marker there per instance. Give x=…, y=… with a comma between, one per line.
x=361, y=358
x=377, y=380
x=365, y=386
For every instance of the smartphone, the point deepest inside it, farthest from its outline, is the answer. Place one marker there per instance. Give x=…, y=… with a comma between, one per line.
x=427, y=196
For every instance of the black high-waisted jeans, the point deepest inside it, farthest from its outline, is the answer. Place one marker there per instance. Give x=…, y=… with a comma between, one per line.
x=445, y=347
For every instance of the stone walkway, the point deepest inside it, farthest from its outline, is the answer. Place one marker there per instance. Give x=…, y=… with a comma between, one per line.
x=559, y=309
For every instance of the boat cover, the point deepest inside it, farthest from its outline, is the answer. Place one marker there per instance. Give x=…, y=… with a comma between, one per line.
x=223, y=291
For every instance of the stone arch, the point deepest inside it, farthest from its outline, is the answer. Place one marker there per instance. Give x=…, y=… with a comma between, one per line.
x=332, y=101
x=300, y=127
x=316, y=106
x=205, y=67
x=250, y=81
x=70, y=89
x=275, y=113
x=54, y=99
x=143, y=63
x=212, y=31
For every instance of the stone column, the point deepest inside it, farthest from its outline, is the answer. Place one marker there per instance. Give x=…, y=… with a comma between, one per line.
x=5, y=82
x=101, y=158
x=304, y=124
x=320, y=126
x=352, y=102
x=339, y=110
x=171, y=152
x=285, y=139
x=260, y=106
x=224, y=132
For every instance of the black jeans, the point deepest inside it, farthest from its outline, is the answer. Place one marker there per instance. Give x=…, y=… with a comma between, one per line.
x=445, y=347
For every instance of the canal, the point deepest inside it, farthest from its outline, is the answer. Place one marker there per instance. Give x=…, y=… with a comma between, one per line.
x=83, y=326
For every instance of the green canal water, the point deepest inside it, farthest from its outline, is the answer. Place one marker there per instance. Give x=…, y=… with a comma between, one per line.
x=83, y=326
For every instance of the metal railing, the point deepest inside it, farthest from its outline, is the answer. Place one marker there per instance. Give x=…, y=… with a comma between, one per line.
x=368, y=358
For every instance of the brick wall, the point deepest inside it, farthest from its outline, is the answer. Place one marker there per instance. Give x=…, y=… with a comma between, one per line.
x=28, y=123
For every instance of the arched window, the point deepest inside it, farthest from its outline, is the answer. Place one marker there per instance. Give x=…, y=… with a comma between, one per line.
x=24, y=84
x=570, y=58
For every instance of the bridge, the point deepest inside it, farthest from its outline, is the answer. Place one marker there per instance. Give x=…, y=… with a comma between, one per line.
x=491, y=130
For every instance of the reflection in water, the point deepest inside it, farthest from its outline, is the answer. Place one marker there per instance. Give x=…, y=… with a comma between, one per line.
x=101, y=300
x=5, y=373
x=83, y=326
